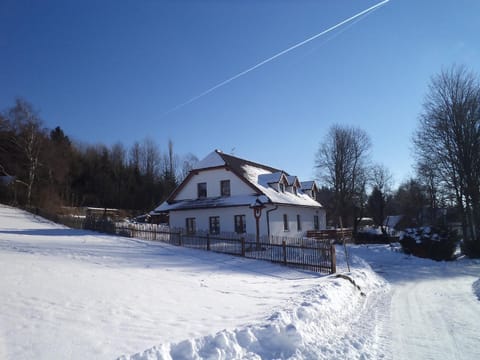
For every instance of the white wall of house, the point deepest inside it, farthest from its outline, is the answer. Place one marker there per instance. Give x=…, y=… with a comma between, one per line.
x=202, y=218
x=306, y=215
x=213, y=179
x=227, y=214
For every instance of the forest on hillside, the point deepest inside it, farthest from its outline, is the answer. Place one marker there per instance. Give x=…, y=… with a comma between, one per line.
x=45, y=168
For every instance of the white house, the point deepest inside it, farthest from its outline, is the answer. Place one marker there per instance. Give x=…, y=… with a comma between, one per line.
x=224, y=193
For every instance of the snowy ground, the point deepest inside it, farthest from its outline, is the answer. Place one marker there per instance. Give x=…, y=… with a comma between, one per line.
x=79, y=295
x=435, y=306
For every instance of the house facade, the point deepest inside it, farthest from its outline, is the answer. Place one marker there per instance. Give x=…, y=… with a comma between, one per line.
x=224, y=193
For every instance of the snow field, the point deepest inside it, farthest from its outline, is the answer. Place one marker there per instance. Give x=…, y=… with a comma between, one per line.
x=79, y=295
x=75, y=294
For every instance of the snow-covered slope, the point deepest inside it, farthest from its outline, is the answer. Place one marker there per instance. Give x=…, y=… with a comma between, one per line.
x=69, y=294
x=79, y=295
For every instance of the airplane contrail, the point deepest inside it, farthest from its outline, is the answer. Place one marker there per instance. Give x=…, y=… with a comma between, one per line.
x=261, y=63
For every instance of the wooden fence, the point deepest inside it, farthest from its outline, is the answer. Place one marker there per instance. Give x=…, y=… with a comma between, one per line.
x=336, y=235
x=314, y=254
x=309, y=254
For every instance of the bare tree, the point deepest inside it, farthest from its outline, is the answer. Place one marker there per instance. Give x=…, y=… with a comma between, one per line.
x=381, y=182
x=382, y=178
x=449, y=137
x=29, y=138
x=188, y=162
x=135, y=155
x=151, y=159
x=169, y=171
x=341, y=164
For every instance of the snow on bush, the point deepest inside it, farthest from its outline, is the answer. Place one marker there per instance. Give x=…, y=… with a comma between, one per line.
x=429, y=242
x=303, y=329
x=476, y=288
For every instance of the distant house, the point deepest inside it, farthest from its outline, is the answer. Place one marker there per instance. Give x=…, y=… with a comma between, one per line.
x=224, y=193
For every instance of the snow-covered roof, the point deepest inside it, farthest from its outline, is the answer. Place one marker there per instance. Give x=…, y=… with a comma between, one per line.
x=261, y=178
x=215, y=202
x=211, y=160
x=308, y=185
x=293, y=181
x=392, y=220
x=270, y=178
x=254, y=174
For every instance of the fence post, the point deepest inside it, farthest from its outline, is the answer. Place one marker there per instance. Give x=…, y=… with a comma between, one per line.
x=179, y=238
x=333, y=259
x=242, y=241
x=208, y=242
x=284, y=248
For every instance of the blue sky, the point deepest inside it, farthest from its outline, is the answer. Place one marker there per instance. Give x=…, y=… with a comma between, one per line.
x=108, y=71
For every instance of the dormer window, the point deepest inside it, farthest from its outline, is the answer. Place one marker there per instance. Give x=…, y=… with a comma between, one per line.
x=294, y=189
x=202, y=190
x=281, y=187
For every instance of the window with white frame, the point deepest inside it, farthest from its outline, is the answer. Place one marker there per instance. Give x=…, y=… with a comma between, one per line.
x=316, y=225
x=299, y=223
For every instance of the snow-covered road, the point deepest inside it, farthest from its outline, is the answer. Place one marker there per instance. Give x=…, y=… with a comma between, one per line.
x=434, y=312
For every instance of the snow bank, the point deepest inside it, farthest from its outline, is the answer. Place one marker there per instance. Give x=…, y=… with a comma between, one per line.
x=476, y=288
x=315, y=325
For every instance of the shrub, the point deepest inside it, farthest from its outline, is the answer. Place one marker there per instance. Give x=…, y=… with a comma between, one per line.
x=471, y=248
x=427, y=242
x=363, y=237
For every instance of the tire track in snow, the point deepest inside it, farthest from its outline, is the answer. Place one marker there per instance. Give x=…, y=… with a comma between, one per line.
x=369, y=334
x=427, y=328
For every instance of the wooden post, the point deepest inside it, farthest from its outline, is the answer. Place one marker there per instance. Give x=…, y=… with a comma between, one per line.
x=333, y=259
x=284, y=248
x=242, y=240
x=179, y=238
x=344, y=245
x=208, y=242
